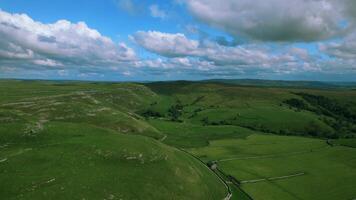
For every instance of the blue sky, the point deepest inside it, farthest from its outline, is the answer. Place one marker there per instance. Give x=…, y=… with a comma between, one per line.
x=104, y=15
x=119, y=40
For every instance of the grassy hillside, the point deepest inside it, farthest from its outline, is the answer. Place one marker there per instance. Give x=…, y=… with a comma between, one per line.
x=80, y=141
x=80, y=161
x=86, y=140
x=327, y=113
x=105, y=105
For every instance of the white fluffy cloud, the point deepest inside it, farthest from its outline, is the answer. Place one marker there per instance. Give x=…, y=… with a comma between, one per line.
x=166, y=44
x=209, y=58
x=178, y=45
x=277, y=20
x=47, y=62
x=24, y=41
x=190, y=64
x=67, y=48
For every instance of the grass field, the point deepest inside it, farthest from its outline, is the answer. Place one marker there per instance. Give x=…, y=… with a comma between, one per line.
x=345, y=142
x=86, y=140
x=321, y=168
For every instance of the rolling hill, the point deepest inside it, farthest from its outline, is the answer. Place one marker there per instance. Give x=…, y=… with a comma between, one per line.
x=102, y=140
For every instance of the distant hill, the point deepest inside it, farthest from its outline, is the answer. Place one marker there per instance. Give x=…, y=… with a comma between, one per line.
x=282, y=83
x=177, y=83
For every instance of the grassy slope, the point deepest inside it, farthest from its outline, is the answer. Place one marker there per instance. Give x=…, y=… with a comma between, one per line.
x=80, y=161
x=63, y=141
x=34, y=109
x=105, y=105
x=257, y=108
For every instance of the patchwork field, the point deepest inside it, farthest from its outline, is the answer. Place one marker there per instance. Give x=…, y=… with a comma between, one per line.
x=85, y=140
x=285, y=167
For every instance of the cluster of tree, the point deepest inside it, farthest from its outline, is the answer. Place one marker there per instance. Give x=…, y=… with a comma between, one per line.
x=151, y=113
x=329, y=107
x=175, y=111
x=262, y=128
x=153, y=103
x=296, y=103
x=205, y=121
x=312, y=129
x=338, y=116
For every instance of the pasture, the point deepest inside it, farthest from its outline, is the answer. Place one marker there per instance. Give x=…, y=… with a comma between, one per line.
x=302, y=168
x=88, y=140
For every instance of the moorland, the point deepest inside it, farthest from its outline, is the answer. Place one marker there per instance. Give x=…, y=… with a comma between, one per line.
x=212, y=139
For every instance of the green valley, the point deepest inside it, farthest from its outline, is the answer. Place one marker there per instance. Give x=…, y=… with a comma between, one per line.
x=103, y=140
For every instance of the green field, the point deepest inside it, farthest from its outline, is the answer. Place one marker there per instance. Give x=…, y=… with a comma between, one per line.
x=79, y=161
x=89, y=140
x=344, y=142
x=320, y=167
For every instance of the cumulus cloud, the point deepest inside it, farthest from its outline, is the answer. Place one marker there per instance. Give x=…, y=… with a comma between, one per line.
x=24, y=41
x=208, y=58
x=68, y=48
x=344, y=48
x=190, y=64
x=277, y=20
x=211, y=59
x=178, y=45
x=157, y=12
x=171, y=45
x=47, y=62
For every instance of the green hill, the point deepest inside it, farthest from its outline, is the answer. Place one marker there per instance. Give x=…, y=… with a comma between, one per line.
x=81, y=141
x=81, y=161
x=96, y=140
x=327, y=113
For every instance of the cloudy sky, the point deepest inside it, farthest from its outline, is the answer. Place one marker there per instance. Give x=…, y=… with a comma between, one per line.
x=178, y=39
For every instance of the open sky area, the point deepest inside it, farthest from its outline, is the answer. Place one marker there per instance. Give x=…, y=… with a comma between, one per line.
x=133, y=40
